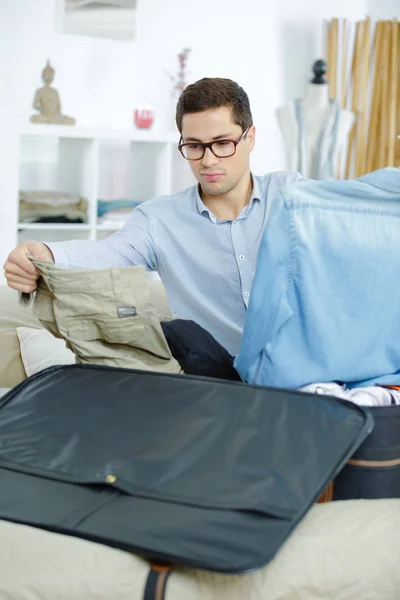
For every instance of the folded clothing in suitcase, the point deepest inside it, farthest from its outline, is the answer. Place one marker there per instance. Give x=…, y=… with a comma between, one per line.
x=179, y=469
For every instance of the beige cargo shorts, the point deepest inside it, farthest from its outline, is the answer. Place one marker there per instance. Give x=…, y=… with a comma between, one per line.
x=106, y=316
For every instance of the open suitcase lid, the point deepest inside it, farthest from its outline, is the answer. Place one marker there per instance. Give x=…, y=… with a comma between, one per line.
x=179, y=469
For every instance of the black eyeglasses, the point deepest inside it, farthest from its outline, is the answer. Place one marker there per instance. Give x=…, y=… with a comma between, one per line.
x=220, y=148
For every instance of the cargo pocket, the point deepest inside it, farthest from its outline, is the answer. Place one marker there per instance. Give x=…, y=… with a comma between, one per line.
x=104, y=341
x=130, y=342
x=129, y=331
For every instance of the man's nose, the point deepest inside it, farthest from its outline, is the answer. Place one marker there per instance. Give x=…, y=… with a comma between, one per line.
x=209, y=159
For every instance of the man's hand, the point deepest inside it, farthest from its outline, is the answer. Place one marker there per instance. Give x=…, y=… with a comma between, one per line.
x=20, y=272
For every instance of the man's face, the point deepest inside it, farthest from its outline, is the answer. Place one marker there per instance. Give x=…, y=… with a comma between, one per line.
x=217, y=176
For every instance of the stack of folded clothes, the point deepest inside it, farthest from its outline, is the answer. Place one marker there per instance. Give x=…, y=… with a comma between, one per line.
x=115, y=210
x=51, y=207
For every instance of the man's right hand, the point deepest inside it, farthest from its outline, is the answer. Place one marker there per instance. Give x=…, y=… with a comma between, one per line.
x=20, y=272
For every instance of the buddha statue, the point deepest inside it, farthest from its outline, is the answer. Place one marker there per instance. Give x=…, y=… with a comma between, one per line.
x=47, y=102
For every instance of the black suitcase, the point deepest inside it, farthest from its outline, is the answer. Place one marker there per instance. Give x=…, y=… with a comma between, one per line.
x=178, y=469
x=374, y=469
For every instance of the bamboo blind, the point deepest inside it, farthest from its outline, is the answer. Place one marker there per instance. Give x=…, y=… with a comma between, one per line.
x=363, y=61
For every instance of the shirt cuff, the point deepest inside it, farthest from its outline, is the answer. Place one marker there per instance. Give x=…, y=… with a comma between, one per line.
x=59, y=254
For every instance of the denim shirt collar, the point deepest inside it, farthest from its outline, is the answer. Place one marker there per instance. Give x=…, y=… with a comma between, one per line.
x=387, y=178
x=255, y=196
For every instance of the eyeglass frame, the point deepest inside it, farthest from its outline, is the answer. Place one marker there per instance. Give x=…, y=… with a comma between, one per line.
x=209, y=145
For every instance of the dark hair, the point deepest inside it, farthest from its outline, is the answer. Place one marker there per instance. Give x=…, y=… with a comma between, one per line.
x=214, y=93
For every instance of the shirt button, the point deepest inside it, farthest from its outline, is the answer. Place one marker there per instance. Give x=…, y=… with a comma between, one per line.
x=241, y=257
x=246, y=294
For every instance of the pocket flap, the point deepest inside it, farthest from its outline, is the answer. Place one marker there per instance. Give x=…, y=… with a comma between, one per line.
x=114, y=331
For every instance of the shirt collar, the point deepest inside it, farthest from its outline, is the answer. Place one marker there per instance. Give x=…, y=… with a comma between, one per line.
x=387, y=178
x=255, y=195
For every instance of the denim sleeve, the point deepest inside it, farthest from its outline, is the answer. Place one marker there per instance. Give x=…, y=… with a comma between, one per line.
x=131, y=245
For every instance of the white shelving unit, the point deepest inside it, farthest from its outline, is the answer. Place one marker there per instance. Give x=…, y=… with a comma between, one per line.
x=93, y=163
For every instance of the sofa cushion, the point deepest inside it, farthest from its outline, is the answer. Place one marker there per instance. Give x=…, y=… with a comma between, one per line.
x=12, y=315
x=341, y=550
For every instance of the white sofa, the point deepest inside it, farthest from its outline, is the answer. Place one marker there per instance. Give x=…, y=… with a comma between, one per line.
x=340, y=551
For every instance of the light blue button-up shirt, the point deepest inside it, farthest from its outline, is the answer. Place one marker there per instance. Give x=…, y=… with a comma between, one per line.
x=206, y=265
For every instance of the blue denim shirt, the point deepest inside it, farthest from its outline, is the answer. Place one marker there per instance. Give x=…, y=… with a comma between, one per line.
x=325, y=301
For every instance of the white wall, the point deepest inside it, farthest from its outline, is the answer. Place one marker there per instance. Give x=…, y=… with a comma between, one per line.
x=94, y=76
x=383, y=9
x=267, y=46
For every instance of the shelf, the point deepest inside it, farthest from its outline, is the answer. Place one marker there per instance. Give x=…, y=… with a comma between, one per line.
x=55, y=226
x=88, y=162
x=78, y=132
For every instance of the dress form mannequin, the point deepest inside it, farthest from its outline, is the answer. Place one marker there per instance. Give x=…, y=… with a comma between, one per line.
x=315, y=129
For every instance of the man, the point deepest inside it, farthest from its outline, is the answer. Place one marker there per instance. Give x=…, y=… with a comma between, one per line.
x=203, y=242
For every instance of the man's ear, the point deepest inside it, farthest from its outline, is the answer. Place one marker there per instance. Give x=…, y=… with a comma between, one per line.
x=251, y=137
